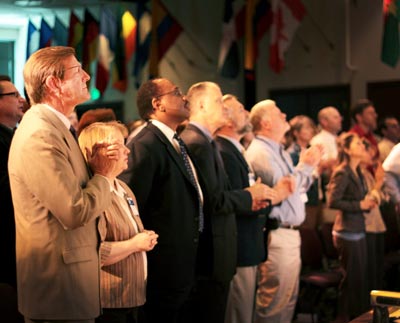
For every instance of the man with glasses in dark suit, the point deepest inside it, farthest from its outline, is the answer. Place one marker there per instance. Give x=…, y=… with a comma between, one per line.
x=163, y=177
x=11, y=112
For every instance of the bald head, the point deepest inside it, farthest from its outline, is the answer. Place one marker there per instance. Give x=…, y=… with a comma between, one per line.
x=206, y=105
x=330, y=119
x=197, y=95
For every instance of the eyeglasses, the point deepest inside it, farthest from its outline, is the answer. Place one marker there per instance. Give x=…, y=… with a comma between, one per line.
x=79, y=67
x=14, y=94
x=174, y=92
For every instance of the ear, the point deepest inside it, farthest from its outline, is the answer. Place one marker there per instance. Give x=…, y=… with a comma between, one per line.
x=53, y=84
x=265, y=124
x=358, y=117
x=157, y=106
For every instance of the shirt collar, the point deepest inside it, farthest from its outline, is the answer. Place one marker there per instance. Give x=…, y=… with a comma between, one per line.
x=203, y=129
x=235, y=142
x=117, y=188
x=167, y=131
x=272, y=143
x=62, y=117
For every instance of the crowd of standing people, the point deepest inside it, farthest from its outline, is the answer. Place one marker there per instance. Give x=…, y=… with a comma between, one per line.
x=185, y=221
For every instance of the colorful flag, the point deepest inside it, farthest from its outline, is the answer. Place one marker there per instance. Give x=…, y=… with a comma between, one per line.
x=228, y=60
x=75, y=35
x=390, y=42
x=143, y=39
x=249, y=56
x=129, y=29
x=90, y=40
x=168, y=30
x=262, y=21
x=60, y=33
x=46, y=34
x=287, y=15
x=126, y=43
x=33, y=39
x=165, y=31
x=107, y=40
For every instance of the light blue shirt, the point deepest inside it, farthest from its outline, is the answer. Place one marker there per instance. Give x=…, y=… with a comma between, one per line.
x=271, y=162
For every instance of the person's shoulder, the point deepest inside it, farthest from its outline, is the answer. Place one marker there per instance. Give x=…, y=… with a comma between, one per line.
x=191, y=135
x=341, y=169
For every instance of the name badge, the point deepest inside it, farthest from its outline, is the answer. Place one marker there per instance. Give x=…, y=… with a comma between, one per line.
x=252, y=179
x=133, y=207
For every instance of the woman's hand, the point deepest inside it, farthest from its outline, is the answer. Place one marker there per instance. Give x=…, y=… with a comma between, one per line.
x=145, y=241
x=368, y=203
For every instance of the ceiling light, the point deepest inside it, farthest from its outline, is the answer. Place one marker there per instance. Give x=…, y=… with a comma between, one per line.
x=28, y=3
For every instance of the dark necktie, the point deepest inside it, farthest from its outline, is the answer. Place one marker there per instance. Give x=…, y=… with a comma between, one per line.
x=189, y=169
x=73, y=131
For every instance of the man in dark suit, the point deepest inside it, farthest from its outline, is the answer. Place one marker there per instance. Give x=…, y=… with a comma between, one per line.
x=216, y=261
x=170, y=202
x=11, y=112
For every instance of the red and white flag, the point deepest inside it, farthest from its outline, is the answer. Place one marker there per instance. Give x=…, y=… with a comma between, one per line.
x=287, y=16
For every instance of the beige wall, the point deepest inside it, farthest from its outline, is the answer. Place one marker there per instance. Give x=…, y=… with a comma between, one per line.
x=194, y=56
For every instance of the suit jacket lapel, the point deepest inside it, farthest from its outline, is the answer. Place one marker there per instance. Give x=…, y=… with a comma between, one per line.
x=358, y=181
x=235, y=151
x=70, y=141
x=170, y=149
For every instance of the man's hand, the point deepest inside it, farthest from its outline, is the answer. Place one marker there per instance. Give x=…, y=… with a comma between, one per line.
x=102, y=159
x=312, y=156
x=285, y=187
x=260, y=194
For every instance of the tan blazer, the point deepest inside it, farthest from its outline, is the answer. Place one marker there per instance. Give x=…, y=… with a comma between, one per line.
x=56, y=206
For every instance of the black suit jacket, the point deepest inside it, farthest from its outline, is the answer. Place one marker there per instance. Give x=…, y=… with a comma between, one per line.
x=7, y=222
x=251, y=247
x=168, y=204
x=217, y=251
x=345, y=191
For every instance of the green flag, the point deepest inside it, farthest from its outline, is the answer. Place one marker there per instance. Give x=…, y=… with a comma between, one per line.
x=390, y=42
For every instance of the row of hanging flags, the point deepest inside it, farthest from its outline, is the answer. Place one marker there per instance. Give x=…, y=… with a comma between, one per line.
x=251, y=21
x=111, y=41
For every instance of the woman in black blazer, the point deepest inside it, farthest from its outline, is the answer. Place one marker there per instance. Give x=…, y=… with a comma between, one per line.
x=348, y=193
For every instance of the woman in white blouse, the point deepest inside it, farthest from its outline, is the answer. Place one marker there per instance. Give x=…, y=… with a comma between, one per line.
x=123, y=240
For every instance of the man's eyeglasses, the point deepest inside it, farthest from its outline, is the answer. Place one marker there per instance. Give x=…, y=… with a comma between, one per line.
x=79, y=68
x=14, y=94
x=174, y=92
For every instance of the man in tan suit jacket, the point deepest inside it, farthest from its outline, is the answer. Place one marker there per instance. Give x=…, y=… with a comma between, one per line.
x=56, y=202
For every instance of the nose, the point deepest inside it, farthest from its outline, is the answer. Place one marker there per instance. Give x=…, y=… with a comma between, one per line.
x=86, y=76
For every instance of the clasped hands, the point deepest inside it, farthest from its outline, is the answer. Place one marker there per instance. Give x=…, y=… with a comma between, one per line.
x=262, y=195
x=146, y=240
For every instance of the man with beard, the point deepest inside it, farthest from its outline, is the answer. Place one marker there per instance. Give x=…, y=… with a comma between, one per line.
x=251, y=243
x=364, y=116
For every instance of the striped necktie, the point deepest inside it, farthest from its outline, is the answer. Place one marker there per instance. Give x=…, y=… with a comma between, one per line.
x=189, y=169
